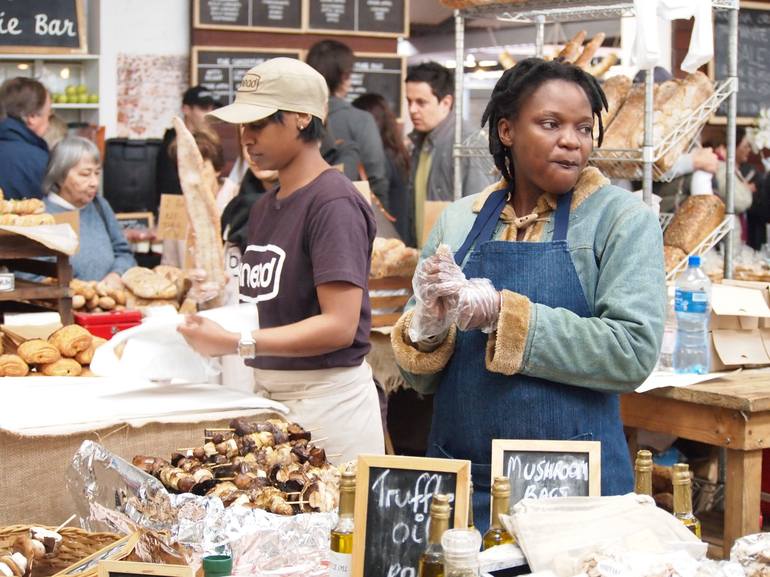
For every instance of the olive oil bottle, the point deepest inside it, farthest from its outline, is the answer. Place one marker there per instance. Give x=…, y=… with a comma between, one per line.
x=683, y=498
x=341, y=554
x=431, y=562
x=470, y=508
x=501, y=499
x=643, y=473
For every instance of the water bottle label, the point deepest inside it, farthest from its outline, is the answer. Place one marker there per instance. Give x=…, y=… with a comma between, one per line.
x=691, y=301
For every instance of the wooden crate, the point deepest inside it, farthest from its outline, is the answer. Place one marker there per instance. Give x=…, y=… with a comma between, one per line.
x=389, y=302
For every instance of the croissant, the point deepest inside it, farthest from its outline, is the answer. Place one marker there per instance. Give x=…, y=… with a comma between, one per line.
x=71, y=340
x=38, y=351
x=85, y=357
x=62, y=368
x=25, y=206
x=35, y=219
x=13, y=366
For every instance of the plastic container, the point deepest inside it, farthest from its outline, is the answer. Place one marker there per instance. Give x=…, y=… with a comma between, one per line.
x=692, y=305
x=666, y=359
x=461, y=552
x=217, y=565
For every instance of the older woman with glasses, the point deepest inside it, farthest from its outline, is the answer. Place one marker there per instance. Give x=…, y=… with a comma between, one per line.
x=72, y=183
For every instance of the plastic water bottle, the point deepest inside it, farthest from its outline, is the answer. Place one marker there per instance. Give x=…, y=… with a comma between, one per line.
x=666, y=359
x=692, y=305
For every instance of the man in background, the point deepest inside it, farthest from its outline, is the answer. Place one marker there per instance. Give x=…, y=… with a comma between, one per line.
x=25, y=110
x=430, y=96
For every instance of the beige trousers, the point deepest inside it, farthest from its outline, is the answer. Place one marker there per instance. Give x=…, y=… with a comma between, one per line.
x=341, y=404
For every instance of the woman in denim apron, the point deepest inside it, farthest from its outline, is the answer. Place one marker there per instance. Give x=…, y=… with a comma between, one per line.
x=529, y=326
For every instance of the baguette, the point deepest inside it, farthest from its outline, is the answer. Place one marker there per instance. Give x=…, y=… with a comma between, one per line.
x=584, y=60
x=571, y=49
x=604, y=65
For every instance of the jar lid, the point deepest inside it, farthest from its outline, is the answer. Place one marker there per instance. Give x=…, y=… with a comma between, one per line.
x=217, y=565
x=461, y=542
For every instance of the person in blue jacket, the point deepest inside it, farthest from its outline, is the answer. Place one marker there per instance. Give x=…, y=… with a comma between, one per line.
x=25, y=111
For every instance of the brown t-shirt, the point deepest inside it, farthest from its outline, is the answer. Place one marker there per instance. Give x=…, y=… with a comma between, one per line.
x=321, y=233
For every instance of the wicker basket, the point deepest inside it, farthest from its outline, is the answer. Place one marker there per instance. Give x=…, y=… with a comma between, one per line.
x=76, y=544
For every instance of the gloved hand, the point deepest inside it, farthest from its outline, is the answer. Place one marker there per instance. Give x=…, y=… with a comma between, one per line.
x=436, y=283
x=478, y=306
x=202, y=290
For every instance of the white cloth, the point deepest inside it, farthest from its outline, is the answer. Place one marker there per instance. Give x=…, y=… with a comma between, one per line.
x=58, y=200
x=341, y=403
x=647, y=43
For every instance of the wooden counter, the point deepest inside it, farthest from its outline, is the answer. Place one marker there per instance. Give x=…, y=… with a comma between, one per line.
x=732, y=412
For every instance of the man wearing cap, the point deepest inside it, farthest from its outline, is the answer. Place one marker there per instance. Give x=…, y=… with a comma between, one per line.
x=196, y=103
x=305, y=268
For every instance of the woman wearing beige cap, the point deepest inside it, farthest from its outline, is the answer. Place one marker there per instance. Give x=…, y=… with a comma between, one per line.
x=306, y=266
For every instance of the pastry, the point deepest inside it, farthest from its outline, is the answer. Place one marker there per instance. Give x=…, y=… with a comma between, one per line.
x=78, y=301
x=34, y=219
x=672, y=256
x=85, y=357
x=62, y=368
x=584, y=60
x=38, y=351
x=696, y=218
x=13, y=366
x=71, y=340
x=172, y=273
x=201, y=207
x=571, y=50
x=147, y=284
x=25, y=206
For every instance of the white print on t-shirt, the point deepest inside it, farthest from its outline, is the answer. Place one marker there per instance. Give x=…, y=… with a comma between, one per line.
x=259, y=277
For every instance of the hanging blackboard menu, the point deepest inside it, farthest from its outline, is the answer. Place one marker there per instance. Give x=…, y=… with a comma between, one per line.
x=221, y=69
x=753, y=57
x=543, y=469
x=382, y=74
x=393, y=497
x=42, y=27
x=273, y=15
x=366, y=17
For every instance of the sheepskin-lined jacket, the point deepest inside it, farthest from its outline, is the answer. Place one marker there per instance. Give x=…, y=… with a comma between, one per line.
x=616, y=244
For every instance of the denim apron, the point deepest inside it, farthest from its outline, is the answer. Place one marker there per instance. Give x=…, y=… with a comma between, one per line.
x=473, y=405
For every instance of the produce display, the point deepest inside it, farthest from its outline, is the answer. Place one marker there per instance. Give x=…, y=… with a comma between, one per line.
x=66, y=353
x=270, y=465
x=75, y=94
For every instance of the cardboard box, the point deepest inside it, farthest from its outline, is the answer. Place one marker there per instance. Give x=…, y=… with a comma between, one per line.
x=737, y=339
x=763, y=287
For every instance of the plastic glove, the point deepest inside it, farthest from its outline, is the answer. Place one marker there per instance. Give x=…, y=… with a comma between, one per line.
x=478, y=306
x=437, y=284
x=202, y=290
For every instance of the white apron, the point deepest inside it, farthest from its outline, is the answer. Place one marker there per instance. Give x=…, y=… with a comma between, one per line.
x=341, y=404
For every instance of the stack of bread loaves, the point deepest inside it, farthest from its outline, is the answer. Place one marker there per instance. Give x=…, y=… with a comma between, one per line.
x=27, y=212
x=696, y=218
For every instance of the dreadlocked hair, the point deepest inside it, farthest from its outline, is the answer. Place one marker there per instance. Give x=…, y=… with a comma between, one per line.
x=518, y=83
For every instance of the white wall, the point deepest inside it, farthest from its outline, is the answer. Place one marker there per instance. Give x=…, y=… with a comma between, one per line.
x=158, y=27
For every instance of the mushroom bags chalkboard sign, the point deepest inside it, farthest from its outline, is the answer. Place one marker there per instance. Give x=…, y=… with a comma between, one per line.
x=393, y=496
x=42, y=26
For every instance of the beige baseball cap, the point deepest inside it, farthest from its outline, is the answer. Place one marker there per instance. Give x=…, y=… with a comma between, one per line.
x=277, y=84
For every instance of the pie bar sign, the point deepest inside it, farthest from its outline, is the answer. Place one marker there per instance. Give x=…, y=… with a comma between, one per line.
x=42, y=27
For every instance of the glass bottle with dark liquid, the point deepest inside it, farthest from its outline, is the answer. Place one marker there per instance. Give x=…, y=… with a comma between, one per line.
x=431, y=562
x=683, y=498
x=501, y=499
x=341, y=554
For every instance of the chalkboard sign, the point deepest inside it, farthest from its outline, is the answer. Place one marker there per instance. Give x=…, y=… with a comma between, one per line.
x=117, y=550
x=42, y=27
x=268, y=15
x=393, y=496
x=753, y=57
x=543, y=469
x=133, y=569
x=379, y=73
x=135, y=220
x=221, y=69
x=363, y=17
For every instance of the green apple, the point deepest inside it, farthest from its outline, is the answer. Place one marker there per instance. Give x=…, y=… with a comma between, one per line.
x=71, y=90
x=58, y=98
x=82, y=89
x=73, y=99
x=93, y=98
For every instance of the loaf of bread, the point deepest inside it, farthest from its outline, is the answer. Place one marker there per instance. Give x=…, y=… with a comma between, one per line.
x=571, y=49
x=148, y=284
x=616, y=90
x=13, y=366
x=628, y=121
x=584, y=60
x=38, y=351
x=62, y=368
x=672, y=256
x=391, y=257
x=696, y=218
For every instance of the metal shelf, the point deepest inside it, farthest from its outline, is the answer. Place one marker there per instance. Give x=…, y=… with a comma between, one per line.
x=704, y=246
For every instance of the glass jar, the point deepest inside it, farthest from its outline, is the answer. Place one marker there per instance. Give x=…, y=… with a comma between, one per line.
x=461, y=552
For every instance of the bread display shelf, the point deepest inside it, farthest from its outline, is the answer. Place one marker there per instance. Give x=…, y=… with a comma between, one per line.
x=629, y=164
x=399, y=292
x=703, y=247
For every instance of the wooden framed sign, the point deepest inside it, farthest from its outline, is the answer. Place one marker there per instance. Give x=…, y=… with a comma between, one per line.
x=389, y=18
x=753, y=59
x=135, y=220
x=541, y=469
x=393, y=496
x=382, y=74
x=132, y=569
x=220, y=69
x=252, y=15
x=43, y=27
x=117, y=550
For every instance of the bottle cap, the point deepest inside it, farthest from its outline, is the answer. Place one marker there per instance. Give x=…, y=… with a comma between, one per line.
x=681, y=474
x=348, y=481
x=501, y=487
x=693, y=260
x=460, y=543
x=644, y=460
x=217, y=565
x=439, y=507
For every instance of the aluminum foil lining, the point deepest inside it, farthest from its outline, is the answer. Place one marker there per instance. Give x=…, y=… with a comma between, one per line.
x=753, y=553
x=110, y=494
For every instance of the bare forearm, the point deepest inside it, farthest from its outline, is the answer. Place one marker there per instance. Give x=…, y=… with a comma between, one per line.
x=311, y=337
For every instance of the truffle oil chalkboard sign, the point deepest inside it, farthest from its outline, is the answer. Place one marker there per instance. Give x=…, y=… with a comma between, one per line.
x=42, y=27
x=542, y=469
x=393, y=497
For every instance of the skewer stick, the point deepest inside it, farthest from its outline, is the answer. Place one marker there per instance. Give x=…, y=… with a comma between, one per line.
x=222, y=429
x=60, y=527
x=183, y=449
x=222, y=465
x=334, y=454
x=319, y=440
x=224, y=478
x=297, y=502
